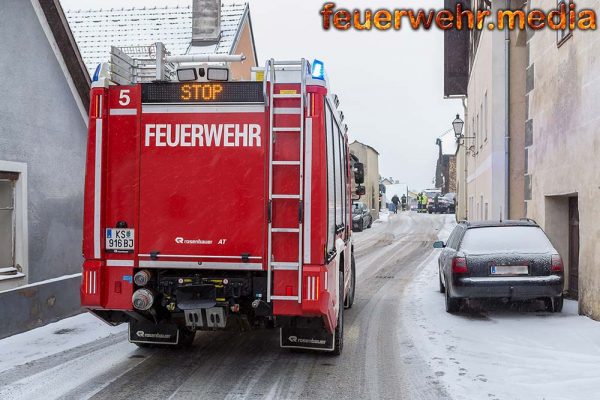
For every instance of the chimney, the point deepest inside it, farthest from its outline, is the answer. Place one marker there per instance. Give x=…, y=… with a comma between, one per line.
x=206, y=22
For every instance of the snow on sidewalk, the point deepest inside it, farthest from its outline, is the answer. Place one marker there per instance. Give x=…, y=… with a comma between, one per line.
x=494, y=351
x=52, y=339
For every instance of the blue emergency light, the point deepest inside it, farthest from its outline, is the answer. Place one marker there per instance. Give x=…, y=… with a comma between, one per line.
x=97, y=73
x=318, y=69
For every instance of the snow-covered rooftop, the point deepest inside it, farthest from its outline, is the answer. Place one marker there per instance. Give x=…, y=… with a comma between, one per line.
x=95, y=31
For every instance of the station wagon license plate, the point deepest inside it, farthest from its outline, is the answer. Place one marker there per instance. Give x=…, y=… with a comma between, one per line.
x=509, y=270
x=118, y=239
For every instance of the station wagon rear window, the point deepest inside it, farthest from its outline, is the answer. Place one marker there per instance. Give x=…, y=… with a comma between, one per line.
x=506, y=239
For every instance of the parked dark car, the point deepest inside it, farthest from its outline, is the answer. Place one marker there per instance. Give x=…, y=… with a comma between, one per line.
x=440, y=208
x=512, y=260
x=450, y=199
x=361, y=217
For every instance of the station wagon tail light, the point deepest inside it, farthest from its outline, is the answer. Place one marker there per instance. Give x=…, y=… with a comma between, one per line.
x=459, y=265
x=557, y=263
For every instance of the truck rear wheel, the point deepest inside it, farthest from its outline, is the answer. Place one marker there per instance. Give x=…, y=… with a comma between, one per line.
x=339, y=330
x=350, y=297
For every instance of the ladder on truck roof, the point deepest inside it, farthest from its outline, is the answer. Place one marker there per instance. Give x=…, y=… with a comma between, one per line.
x=270, y=78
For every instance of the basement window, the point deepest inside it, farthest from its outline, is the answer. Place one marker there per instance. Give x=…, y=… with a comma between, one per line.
x=13, y=220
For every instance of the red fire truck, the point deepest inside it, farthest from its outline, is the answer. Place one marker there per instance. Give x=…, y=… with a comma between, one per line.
x=212, y=203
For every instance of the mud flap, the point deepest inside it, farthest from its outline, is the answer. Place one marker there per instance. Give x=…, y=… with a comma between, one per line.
x=307, y=337
x=144, y=332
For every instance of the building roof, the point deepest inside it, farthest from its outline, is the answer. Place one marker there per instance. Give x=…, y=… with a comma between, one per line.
x=57, y=22
x=97, y=30
x=365, y=145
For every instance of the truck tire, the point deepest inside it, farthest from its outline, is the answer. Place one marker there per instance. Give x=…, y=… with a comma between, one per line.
x=350, y=297
x=338, y=337
x=186, y=337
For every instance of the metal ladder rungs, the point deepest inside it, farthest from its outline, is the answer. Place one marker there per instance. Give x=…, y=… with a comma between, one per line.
x=284, y=62
x=292, y=109
x=285, y=266
x=287, y=111
x=282, y=129
x=287, y=96
x=295, y=298
x=285, y=230
x=286, y=162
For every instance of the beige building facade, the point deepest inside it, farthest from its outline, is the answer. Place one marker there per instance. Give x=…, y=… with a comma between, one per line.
x=370, y=159
x=563, y=151
x=490, y=162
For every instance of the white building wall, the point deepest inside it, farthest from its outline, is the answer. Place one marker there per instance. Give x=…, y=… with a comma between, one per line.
x=564, y=152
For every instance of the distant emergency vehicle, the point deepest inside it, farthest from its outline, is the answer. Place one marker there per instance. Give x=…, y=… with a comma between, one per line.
x=212, y=203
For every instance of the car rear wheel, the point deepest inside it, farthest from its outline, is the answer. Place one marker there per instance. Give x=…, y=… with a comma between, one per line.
x=442, y=288
x=452, y=304
x=558, y=304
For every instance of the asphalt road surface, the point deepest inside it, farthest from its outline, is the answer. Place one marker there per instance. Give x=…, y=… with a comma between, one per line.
x=379, y=360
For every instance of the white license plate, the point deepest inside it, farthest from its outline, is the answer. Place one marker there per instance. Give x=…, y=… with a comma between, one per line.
x=509, y=270
x=119, y=239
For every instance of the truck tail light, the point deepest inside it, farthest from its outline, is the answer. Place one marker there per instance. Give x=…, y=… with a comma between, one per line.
x=557, y=263
x=459, y=265
x=312, y=288
x=91, y=283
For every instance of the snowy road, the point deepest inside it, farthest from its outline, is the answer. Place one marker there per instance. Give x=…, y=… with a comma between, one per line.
x=399, y=344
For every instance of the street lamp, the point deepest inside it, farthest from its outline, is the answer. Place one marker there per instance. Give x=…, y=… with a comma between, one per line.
x=458, y=125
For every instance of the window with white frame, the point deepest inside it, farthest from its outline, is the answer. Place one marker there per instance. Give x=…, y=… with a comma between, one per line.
x=13, y=220
x=480, y=207
x=477, y=133
x=481, y=124
x=485, y=117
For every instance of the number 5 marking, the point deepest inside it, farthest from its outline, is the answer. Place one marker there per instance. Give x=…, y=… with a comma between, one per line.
x=124, y=98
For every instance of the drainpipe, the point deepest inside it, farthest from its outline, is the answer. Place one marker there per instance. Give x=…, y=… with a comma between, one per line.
x=467, y=133
x=507, y=119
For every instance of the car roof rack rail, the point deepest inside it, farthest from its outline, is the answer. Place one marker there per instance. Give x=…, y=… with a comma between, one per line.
x=528, y=220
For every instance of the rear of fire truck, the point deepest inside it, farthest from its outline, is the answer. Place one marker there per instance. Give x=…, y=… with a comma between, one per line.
x=197, y=215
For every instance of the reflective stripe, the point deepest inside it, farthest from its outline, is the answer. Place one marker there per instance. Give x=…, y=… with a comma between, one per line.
x=307, y=190
x=119, y=263
x=97, y=185
x=198, y=256
x=202, y=265
x=123, y=111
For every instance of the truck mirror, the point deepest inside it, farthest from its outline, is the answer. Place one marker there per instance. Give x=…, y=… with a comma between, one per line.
x=361, y=191
x=359, y=173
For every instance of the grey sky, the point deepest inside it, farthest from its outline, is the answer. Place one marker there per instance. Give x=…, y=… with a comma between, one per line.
x=390, y=83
